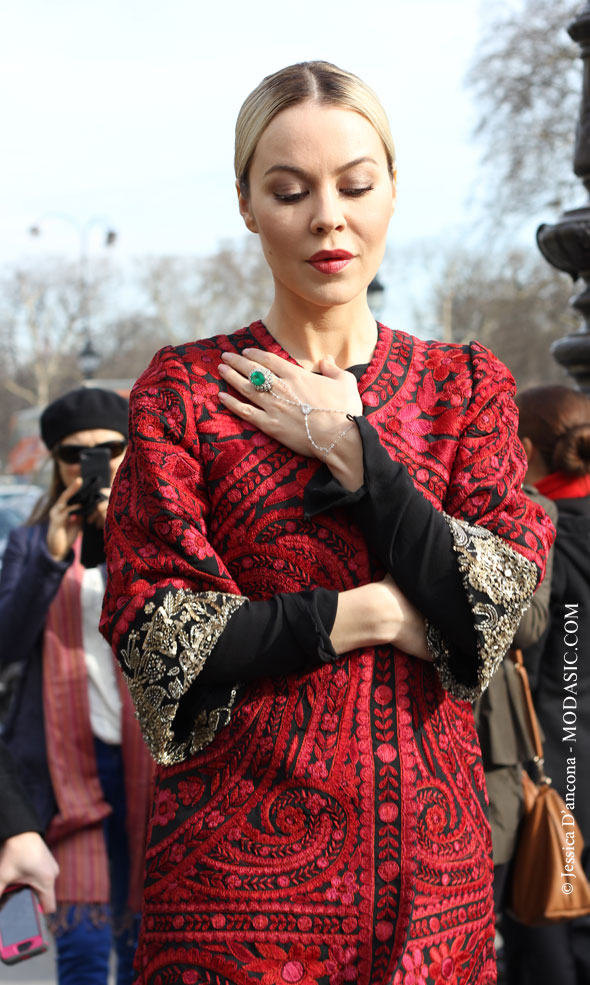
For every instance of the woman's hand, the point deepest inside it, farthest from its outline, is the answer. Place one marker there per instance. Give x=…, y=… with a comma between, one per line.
x=65, y=523
x=99, y=515
x=332, y=393
x=377, y=614
x=25, y=858
x=409, y=629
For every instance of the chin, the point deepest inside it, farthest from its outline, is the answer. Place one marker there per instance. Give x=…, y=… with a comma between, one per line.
x=333, y=294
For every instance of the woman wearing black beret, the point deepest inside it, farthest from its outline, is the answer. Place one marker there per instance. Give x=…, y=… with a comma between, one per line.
x=72, y=731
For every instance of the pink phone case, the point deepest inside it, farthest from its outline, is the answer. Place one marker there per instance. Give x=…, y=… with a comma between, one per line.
x=21, y=930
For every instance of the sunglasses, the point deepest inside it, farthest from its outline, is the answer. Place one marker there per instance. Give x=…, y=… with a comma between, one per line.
x=71, y=454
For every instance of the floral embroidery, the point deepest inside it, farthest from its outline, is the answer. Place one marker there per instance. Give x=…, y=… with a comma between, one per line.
x=165, y=807
x=163, y=658
x=445, y=361
x=299, y=965
x=447, y=962
x=343, y=888
x=415, y=970
x=499, y=584
x=341, y=965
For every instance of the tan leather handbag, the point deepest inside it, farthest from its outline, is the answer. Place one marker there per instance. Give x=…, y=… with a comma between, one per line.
x=548, y=882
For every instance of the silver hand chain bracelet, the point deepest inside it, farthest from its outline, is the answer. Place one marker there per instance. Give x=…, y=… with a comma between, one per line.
x=306, y=410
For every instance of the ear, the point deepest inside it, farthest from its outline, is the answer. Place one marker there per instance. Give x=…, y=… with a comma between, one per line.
x=529, y=448
x=394, y=186
x=536, y=465
x=245, y=210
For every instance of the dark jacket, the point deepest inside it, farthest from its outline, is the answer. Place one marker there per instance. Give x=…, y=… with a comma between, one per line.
x=29, y=581
x=16, y=813
x=559, y=664
x=501, y=720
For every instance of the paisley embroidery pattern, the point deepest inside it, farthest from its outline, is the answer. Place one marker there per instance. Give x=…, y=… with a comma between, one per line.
x=334, y=830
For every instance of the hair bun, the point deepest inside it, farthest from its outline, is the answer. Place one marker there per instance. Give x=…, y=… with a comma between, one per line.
x=571, y=452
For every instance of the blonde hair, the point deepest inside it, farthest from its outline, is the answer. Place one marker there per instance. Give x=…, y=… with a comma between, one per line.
x=320, y=81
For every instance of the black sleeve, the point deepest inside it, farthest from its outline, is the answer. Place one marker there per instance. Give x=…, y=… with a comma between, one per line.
x=409, y=536
x=287, y=634
x=16, y=814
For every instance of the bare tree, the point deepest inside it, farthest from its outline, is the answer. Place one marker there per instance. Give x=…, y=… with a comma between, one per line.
x=128, y=344
x=170, y=299
x=236, y=286
x=527, y=79
x=44, y=312
x=516, y=307
x=190, y=298
x=39, y=316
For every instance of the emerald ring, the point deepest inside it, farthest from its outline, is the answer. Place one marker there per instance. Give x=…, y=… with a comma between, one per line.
x=261, y=380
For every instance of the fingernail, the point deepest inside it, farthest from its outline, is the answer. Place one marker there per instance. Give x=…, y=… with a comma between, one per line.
x=227, y=355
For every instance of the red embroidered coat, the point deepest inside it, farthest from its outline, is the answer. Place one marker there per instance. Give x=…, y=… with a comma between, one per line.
x=328, y=827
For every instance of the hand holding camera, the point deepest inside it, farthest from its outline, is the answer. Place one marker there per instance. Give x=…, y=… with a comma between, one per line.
x=82, y=506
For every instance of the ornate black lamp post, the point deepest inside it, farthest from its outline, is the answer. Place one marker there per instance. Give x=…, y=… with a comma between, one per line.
x=88, y=358
x=376, y=296
x=566, y=245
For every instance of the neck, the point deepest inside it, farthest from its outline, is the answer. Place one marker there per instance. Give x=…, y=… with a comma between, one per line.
x=347, y=332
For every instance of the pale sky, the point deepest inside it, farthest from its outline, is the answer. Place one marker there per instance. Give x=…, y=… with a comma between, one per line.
x=125, y=109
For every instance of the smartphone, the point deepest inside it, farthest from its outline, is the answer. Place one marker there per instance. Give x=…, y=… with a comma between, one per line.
x=95, y=468
x=21, y=928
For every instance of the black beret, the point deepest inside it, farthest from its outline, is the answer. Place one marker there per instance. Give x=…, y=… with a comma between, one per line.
x=82, y=409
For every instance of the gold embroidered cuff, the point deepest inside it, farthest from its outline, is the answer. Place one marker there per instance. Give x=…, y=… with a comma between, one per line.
x=162, y=659
x=499, y=583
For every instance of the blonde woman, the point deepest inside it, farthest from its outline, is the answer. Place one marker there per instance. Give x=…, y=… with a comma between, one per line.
x=318, y=551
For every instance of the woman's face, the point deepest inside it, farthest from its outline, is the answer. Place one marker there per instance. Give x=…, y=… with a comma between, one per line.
x=320, y=197
x=90, y=439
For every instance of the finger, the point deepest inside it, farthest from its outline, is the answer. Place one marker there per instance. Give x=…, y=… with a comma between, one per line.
x=242, y=384
x=329, y=367
x=244, y=365
x=246, y=411
x=97, y=519
x=277, y=364
x=47, y=900
x=73, y=487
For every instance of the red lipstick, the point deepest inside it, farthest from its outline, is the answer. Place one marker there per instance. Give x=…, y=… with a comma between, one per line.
x=330, y=261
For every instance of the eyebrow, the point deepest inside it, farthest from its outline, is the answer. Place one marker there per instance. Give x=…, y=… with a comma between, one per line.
x=293, y=169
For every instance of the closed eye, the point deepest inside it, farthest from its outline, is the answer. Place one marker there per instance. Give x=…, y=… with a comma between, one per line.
x=356, y=192
x=291, y=197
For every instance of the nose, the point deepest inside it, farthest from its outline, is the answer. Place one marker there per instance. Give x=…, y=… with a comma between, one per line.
x=328, y=211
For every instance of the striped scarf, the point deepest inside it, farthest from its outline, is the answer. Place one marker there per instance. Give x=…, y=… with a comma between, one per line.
x=76, y=832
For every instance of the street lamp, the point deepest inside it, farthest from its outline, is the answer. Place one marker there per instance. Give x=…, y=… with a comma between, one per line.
x=83, y=230
x=376, y=297
x=88, y=359
x=566, y=244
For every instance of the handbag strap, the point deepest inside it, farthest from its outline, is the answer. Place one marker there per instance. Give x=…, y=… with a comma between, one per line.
x=532, y=720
